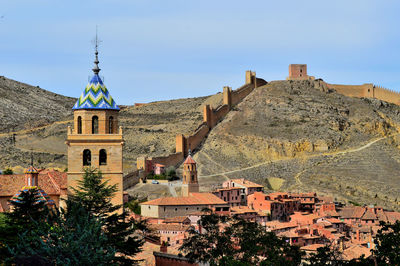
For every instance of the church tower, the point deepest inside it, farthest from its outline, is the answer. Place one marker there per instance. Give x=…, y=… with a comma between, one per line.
x=96, y=140
x=189, y=181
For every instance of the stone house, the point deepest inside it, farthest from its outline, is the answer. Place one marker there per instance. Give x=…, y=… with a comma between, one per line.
x=183, y=206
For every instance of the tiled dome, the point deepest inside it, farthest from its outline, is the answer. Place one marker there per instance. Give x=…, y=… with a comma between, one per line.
x=95, y=96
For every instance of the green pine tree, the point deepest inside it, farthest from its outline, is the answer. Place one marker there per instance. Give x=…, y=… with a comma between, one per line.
x=95, y=196
x=68, y=237
x=27, y=208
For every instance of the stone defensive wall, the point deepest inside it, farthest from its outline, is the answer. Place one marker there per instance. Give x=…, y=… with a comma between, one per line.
x=367, y=90
x=131, y=179
x=211, y=117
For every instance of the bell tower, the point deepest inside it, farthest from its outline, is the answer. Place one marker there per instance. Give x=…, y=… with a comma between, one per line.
x=96, y=140
x=189, y=180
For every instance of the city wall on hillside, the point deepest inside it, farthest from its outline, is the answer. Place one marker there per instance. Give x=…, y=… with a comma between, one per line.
x=211, y=117
x=367, y=90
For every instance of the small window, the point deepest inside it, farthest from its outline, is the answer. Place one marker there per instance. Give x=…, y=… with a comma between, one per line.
x=87, y=158
x=103, y=157
x=95, y=125
x=110, y=125
x=192, y=177
x=176, y=209
x=79, y=125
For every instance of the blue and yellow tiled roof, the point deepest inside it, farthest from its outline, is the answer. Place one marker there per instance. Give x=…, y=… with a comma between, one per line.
x=95, y=96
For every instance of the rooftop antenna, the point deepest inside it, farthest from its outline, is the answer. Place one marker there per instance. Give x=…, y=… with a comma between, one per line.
x=96, y=43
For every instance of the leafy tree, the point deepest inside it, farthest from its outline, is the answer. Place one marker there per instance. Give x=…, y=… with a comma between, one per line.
x=387, y=241
x=95, y=196
x=134, y=205
x=325, y=256
x=234, y=241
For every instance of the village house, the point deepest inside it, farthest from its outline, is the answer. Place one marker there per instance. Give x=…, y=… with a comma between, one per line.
x=159, y=169
x=170, y=233
x=307, y=200
x=234, y=196
x=249, y=187
x=182, y=206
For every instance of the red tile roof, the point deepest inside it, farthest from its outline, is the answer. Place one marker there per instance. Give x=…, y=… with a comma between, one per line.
x=312, y=247
x=51, y=182
x=189, y=160
x=177, y=219
x=193, y=199
x=356, y=251
x=246, y=183
x=169, y=227
x=242, y=210
x=369, y=215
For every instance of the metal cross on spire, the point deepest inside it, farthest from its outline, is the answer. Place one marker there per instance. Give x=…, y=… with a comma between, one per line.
x=96, y=68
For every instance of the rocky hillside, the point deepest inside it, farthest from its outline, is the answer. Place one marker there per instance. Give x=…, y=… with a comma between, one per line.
x=287, y=135
x=40, y=118
x=300, y=136
x=23, y=106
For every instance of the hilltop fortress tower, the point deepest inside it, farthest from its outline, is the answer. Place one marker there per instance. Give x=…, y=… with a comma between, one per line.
x=96, y=140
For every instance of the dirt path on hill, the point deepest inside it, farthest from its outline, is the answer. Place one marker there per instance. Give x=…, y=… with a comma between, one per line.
x=297, y=177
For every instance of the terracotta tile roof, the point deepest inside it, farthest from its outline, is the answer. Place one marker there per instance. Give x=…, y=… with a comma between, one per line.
x=242, y=210
x=369, y=215
x=189, y=160
x=177, y=219
x=393, y=216
x=193, y=199
x=288, y=234
x=346, y=212
x=276, y=225
x=362, y=229
x=356, y=251
x=334, y=220
x=246, y=183
x=168, y=227
x=303, y=195
x=228, y=189
x=50, y=182
x=358, y=212
x=312, y=247
x=331, y=213
x=325, y=199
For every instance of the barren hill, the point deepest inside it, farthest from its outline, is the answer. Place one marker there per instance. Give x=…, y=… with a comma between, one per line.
x=287, y=135
x=301, y=136
x=39, y=120
x=23, y=106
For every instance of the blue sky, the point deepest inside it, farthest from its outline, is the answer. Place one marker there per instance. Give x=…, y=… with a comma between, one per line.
x=158, y=50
